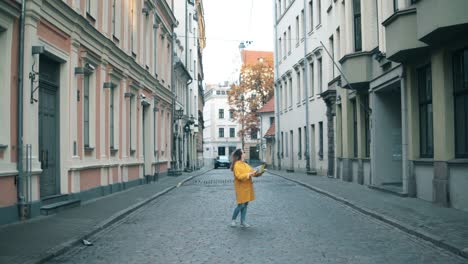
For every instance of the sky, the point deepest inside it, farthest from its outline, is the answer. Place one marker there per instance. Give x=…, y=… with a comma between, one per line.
x=229, y=22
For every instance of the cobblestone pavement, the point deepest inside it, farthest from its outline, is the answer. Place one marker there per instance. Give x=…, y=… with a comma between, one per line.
x=290, y=224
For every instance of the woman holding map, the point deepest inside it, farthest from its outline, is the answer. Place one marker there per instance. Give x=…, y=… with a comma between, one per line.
x=243, y=186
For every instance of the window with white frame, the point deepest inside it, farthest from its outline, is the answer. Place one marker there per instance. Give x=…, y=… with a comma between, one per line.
x=319, y=75
x=298, y=81
x=302, y=24
x=116, y=18
x=312, y=79
x=290, y=92
x=297, y=30
x=311, y=16
x=91, y=9
x=319, y=12
x=289, y=39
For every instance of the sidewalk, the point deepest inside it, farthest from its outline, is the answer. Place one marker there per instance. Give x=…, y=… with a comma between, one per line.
x=41, y=238
x=444, y=227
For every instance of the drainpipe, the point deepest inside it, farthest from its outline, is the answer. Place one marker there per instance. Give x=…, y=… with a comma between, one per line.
x=21, y=201
x=307, y=154
x=404, y=135
x=277, y=95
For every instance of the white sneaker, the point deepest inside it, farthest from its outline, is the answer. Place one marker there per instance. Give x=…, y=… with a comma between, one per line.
x=233, y=223
x=244, y=225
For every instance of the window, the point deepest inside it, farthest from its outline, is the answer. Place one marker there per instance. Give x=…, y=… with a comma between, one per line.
x=190, y=22
x=338, y=46
x=91, y=9
x=302, y=24
x=221, y=151
x=86, y=110
x=221, y=113
x=357, y=25
x=290, y=92
x=312, y=79
x=272, y=120
x=279, y=9
x=231, y=114
x=304, y=76
x=395, y=5
x=253, y=134
x=155, y=120
x=297, y=30
x=282, y=145
x=321, y=140
x=111, y=118
x=155, y=48
x=133, y=33
x=426, y=127
x=221, y=132
x=190, y=58
x=355, y=128
x=366, y=124
x=130, y=123
x=289, y=39
x=232, y=132
x=218, y=92
x=311, y=15
x=285, y=48
x=319, y=12
x=298, y=74
x=319, y=75
x=280, y=45
x=460, y=83
x=287, y=149
x=300, y=143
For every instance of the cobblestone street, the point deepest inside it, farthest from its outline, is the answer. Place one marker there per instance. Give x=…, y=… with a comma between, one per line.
x=290, y=224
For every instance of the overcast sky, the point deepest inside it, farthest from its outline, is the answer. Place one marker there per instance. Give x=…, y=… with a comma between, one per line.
x=228, y=22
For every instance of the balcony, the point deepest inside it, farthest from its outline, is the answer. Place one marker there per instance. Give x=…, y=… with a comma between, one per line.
x=401, y=31
x=440, y=22
x=357, y=67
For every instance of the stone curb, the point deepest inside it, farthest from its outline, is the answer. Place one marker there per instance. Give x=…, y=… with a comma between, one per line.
x=415, y=231
x=62, y=248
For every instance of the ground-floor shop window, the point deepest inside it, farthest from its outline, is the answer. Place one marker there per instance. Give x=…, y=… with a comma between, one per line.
x=460, y=82
x=425, y=112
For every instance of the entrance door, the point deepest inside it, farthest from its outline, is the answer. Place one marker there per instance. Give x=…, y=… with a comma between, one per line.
x=49, y=126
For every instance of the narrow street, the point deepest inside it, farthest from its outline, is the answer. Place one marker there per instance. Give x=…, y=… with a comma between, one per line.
x=289, y=224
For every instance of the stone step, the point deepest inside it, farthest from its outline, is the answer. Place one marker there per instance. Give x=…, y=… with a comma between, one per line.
x=54, y=199
x=59, y=206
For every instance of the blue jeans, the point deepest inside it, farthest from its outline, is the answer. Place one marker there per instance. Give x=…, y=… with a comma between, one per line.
x=242, y=208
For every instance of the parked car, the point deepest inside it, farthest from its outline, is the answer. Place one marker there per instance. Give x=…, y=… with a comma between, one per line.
x=222, y=161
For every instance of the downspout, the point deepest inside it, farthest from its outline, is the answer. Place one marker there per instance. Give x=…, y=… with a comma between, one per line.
x=306, y=70
x=173, y=97
x=404, y=135
x=21, y=201
x=277, y=121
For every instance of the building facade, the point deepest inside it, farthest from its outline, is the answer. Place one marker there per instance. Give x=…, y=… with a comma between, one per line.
x=267, y=132
x=413, y=53
x=89, y=110
x=393, y=59
x=220, y=136
x=303, y=70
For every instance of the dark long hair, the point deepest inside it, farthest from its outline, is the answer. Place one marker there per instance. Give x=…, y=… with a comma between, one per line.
x=236, y=156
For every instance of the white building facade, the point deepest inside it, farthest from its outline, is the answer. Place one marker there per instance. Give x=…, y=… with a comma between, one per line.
x=303, y=71
x=188, y=13
x=220, y=134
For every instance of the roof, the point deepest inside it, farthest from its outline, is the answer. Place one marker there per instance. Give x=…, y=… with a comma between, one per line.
x=268, y=107
x=251, y=57
x=270, y=132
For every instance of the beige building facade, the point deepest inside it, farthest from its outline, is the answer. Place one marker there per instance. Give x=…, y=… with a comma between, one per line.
x=402, y=119
x=394, y=103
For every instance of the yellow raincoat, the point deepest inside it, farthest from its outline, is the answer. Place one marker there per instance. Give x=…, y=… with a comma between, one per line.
x=242, y=184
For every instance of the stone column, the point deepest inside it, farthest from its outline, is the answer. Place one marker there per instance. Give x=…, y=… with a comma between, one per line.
x=329, y=97
x=444, y=144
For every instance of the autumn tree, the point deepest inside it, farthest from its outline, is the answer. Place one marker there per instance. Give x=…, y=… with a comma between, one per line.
x=254, y=90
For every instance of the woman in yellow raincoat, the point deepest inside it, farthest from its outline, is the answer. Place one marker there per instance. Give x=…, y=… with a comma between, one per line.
x=243, y=185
